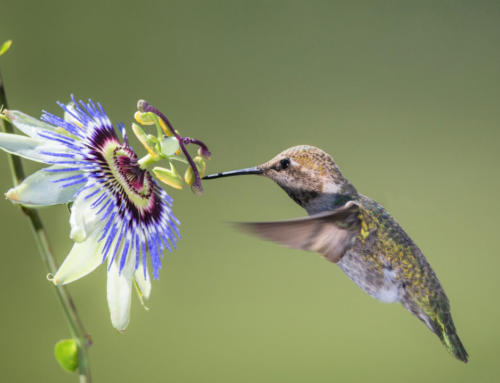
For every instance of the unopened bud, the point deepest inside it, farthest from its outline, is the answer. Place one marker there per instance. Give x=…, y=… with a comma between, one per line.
x=66, y=353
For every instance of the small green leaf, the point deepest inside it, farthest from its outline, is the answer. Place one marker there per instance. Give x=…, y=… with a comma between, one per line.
x=5, y=47
x=66, y=353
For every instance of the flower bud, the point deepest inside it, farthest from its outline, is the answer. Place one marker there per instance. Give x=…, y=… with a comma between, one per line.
x=66, y=353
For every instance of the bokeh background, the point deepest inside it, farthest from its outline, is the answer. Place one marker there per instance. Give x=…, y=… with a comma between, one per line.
x=404, y=95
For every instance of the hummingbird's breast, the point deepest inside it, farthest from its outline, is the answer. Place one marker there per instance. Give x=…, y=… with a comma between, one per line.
x=383, y=261
x=378, y=281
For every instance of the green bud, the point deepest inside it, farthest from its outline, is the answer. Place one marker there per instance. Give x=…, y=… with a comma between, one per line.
x=169, y=145
x=66, y=353
x=168, y=176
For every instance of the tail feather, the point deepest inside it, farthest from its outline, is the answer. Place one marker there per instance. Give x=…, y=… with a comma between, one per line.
x=455, y=346
x=446, y=331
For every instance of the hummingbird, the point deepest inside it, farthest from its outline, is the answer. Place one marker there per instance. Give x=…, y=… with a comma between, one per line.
x=357, y=234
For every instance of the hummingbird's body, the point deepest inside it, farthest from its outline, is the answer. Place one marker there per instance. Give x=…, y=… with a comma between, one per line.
x=356, y=233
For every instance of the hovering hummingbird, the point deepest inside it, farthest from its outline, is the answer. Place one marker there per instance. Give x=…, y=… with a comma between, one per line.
x=357, y=234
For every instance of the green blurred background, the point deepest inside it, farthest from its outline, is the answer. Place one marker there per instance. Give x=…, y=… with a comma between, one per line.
x=404, y=95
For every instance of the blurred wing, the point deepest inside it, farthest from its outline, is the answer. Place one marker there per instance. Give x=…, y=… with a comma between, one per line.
x=327, y=233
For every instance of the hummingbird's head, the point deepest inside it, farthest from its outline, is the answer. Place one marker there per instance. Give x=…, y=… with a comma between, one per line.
x=308, y=175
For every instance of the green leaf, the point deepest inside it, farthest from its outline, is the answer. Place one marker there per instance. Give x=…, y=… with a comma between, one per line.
x=5, y=47
x=66, y=353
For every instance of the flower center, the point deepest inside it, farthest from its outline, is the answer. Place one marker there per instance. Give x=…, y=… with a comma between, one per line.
x=125, y=163
x=130, y=181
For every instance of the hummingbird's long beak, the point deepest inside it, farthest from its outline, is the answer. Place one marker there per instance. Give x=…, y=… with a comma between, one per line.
x=254, y=170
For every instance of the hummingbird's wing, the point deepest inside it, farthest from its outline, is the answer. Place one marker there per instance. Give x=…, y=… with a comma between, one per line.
x=328, y=233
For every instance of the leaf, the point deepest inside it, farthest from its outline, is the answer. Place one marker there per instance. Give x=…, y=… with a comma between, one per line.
x=5, y=47
x=66, y=353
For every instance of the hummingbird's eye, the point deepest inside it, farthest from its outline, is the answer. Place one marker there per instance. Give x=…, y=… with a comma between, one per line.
x=284, y=163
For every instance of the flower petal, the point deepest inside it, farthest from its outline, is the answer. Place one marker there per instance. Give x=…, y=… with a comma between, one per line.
x=27, y=124
x=30, y=148
x=83, y=218
x=83, y=258
x=120, y=294
x=42, y=189
x=144, y=284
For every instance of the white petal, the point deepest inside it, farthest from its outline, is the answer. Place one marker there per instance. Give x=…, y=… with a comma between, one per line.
x=83, y=218
x=30, y=148
x=120, y=293
x=83, y=258
x=144, y=284
x=27, y=124
x=40, y=189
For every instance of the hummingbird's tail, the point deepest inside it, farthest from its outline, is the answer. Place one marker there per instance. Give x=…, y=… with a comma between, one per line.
x=455, y=346
x=448, y=335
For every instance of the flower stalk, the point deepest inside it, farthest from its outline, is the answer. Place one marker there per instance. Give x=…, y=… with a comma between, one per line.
x=75, y=324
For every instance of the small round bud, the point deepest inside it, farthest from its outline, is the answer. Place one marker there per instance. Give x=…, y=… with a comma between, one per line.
x=66, y=353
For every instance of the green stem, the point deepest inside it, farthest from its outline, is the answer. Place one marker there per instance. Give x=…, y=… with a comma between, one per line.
x=75, y=324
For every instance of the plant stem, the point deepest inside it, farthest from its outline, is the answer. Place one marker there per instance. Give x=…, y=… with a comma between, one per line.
x=75, y=324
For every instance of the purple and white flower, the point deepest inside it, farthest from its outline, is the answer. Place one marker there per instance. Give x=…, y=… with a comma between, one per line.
x=119, y=214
